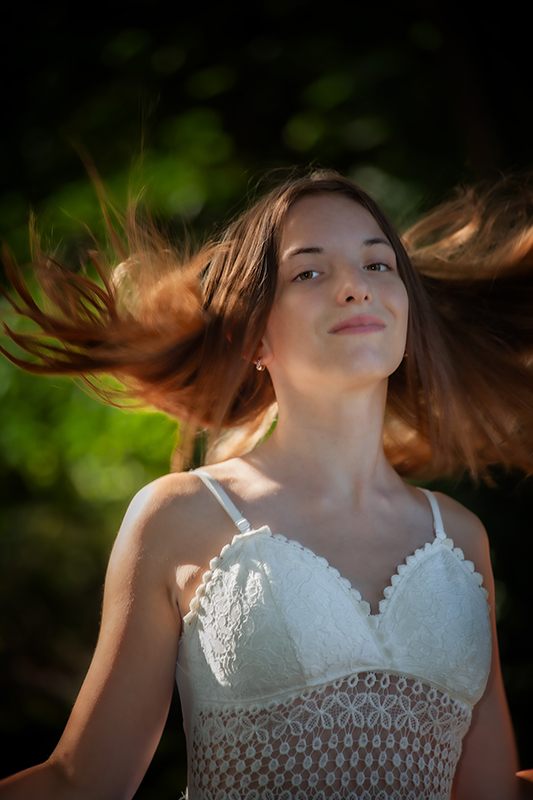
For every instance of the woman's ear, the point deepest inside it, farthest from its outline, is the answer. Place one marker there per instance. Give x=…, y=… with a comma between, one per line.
x=261, y=354
x=264, y=354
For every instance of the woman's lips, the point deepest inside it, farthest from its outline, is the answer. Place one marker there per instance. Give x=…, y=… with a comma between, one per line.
x=361, y=323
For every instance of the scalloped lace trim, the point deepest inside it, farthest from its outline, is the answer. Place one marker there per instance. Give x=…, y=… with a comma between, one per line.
x=373, y=736
x=440, y=540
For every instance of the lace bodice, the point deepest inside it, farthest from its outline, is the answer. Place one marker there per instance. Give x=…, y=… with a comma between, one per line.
x=292, y=689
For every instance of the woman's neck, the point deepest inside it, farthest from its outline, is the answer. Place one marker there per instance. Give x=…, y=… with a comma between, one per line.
x=331, y=442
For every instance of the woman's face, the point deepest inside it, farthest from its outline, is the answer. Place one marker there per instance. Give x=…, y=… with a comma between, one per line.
x=341, y=310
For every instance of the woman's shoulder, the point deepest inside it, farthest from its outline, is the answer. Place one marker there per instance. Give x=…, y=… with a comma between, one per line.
x=171, y=531
x=458, y=517
x=178, y=494
x=176, y=504
x=176, y=517
x=466, y=530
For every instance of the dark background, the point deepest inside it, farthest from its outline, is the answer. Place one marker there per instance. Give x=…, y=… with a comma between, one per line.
x=192, y=104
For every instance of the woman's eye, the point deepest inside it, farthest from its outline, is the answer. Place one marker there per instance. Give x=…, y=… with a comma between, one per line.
x=377, y=268
x=308, y=275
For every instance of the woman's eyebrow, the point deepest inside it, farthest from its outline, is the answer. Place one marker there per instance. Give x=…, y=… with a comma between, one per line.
x=376, y=240
x=299, y=250
x=366, y=243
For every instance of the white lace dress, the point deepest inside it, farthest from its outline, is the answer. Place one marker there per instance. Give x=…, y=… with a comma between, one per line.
x=291, y=689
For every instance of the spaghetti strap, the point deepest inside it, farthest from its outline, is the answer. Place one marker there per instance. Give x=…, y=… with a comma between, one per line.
x=438, y=525
x=241, y=523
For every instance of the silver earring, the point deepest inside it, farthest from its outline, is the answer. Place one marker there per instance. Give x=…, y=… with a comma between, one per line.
x=259, y=367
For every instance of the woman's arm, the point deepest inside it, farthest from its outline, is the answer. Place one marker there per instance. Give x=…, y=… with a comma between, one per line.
x=489, y=761
x=120, y=712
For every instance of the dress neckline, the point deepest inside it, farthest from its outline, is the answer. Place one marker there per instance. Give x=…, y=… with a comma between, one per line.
x=246, y=530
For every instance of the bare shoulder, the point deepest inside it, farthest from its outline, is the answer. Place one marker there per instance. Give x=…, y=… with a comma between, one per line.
x=458, y=518
x=170, y=500
x=171, y=530
x=467, y=532
x=174, y=511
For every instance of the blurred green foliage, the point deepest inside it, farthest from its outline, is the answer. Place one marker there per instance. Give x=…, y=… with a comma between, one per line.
x=69, y=466
x=187, y=108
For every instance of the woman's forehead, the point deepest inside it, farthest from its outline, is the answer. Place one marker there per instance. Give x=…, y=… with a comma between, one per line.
x=325, y=216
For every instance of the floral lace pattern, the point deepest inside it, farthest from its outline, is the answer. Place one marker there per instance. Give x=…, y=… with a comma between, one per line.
x=372, y=736
x=292, y=689
x=271, y=616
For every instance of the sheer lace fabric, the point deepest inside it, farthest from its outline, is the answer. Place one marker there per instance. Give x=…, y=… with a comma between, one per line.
x=290, y=688
x=370, y=736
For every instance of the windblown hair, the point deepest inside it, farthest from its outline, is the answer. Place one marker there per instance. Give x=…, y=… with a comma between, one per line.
x=180, y=332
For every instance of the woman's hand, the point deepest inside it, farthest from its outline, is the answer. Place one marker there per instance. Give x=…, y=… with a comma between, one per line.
x=525, y=779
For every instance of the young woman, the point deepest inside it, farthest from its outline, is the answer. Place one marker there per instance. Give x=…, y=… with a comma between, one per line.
x=333, y=626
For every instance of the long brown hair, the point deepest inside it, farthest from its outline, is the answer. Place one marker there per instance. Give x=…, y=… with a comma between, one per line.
x=180, y=331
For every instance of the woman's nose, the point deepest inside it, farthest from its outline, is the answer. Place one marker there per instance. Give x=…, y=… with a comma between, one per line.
x=353, y=287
